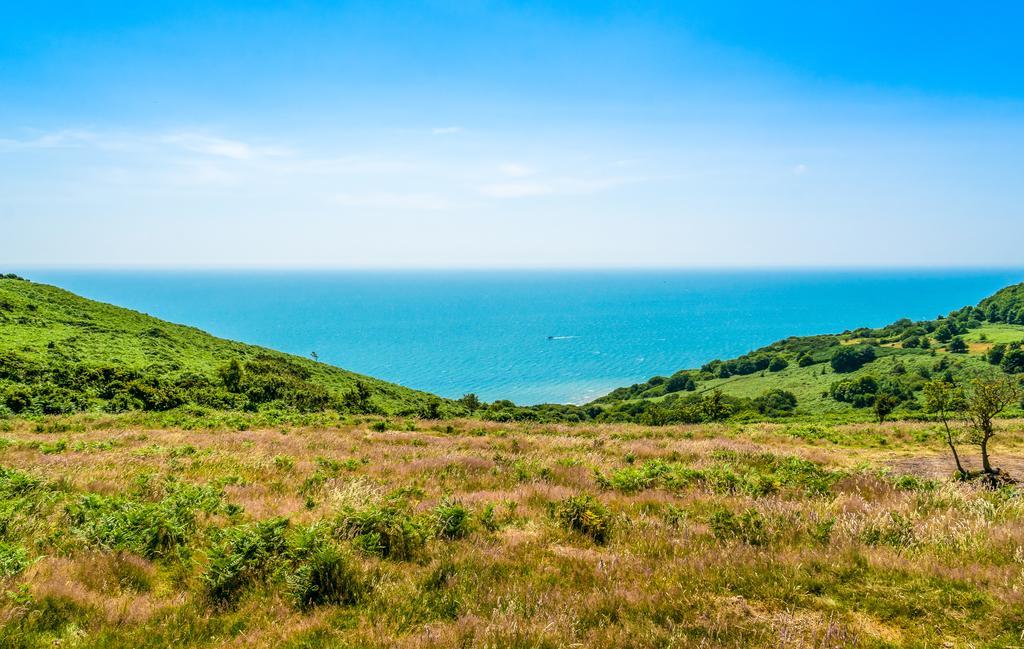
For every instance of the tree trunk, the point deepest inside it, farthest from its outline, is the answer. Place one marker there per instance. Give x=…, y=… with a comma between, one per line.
x=985, y=465
x=952, y=447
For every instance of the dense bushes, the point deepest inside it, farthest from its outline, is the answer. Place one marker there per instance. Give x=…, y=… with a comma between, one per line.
x=680, y=381
x=852, y=358
x=314, y=569
x=149, y=529
x=747, y=364
x=866, y=391
x=859, y=392
x=389, y=530
x=241, y=557
x=1009, y=358
x=324, y=575
x=60, y=387
x=1006, y=305
x=776, y=402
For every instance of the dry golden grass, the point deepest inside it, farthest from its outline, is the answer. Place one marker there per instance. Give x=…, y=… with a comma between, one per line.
x=910, y=563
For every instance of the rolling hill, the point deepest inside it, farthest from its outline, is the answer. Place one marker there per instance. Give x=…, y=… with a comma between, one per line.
x=61, y=353
x=841, y=374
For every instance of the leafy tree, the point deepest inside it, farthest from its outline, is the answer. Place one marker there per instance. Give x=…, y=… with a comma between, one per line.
x=471, y=402
x=432, y=409
x=776, y=402
x=680, y=381
x=859, y=392
x=849, y=359
x=805, y=359
x=945, y=333
x=777, y=364
x=985, y=399
x=1013, y=361
x=996, y=354
x=231, y=375
x=944, y=399
x=358, y=398
x=884, y=405
x=958, y=346
x=713, y=406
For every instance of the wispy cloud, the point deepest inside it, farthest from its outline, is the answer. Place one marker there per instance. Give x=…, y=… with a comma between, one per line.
x=515, y=170
x=516, y=190
x=130, y=142
x=219, y=146
x=554, y=186
x=425, y=202
x=54, y=140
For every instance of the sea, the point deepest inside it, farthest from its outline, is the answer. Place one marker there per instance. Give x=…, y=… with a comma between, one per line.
x=528, y=336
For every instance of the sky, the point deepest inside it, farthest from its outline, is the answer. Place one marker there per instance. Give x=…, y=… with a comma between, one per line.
x=502, y=135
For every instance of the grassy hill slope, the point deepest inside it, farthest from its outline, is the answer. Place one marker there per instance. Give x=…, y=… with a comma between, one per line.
x=897, y=359
x=60, y=352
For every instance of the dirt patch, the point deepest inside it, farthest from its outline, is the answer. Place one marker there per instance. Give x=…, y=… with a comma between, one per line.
x=942, y=466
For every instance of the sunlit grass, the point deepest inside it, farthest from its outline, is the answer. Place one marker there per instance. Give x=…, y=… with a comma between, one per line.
x=466, y=533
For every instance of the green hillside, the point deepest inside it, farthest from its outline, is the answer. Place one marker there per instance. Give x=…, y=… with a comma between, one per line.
x=839, y=375
x=62, y=353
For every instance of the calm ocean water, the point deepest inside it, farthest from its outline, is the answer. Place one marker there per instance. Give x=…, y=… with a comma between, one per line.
x=528, y=336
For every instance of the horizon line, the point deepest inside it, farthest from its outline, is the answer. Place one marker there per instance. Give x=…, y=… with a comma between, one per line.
x=539, y=268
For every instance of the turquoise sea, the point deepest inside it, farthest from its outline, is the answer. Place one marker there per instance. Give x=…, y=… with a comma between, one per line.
x=528, y=336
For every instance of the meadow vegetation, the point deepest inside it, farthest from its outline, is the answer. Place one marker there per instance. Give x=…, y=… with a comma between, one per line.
x=468, y=533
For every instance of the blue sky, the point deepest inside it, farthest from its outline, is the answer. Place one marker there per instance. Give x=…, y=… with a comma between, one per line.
x=485, y=134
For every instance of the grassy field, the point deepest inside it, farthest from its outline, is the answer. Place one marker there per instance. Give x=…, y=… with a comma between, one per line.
x=996, y=332
x=811, y=384
x=384, y=533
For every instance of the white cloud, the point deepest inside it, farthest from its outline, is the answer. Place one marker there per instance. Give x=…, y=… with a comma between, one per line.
x=446, y=130
x=516, y=190
x=426, y=202
x=55, y=140
x=514, y=170
x=191, y=141
x=218, y=146
x=554, y=186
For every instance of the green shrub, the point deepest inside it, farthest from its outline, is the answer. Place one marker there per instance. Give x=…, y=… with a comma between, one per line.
x=242, y=557
x=14, y=483
x=821, y=530
x=150, y=529
x=323, y=575
x=451, y=520
x=387, y=531
x=586, y=515
x=488, y=518
x=910, y=482
x=748, y=526
x=13, y=559
x=851, y=358
x=775, y=403
x=284, y=463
